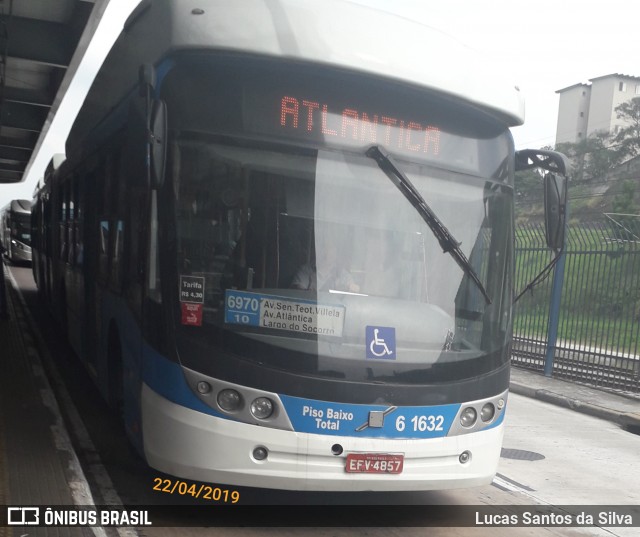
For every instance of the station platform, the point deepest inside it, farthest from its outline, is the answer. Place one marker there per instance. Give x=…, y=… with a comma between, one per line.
x=623, y=409
x=38, y=465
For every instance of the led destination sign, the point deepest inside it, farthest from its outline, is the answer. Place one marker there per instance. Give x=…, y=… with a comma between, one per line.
x=323, y=109
x=311, y=117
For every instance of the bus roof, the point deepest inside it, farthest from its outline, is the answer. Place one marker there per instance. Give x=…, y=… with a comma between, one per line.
x=334, y=33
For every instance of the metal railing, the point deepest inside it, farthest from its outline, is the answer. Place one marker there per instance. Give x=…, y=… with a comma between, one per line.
x=598, y=322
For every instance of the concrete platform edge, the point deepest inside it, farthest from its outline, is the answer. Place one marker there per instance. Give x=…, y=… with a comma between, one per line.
x=625, y=419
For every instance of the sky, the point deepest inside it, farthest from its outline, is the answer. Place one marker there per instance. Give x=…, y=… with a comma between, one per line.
x=543, y=46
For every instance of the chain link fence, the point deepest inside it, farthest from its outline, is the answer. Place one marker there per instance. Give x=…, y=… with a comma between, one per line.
x=599, y=319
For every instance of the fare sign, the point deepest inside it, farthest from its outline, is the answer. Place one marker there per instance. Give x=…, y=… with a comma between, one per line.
x=191, y=299
x=192, y=289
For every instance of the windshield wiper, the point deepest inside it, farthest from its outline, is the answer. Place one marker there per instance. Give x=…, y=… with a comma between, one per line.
x=447, y=242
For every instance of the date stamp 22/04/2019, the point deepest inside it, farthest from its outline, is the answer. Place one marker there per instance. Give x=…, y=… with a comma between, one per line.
x=195, y=490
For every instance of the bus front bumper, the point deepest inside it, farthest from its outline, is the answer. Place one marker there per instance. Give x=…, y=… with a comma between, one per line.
x=193, y=445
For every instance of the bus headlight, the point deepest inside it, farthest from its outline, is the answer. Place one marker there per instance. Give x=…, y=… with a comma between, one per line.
x=487, y=412
x=262, y=408
x=204, y=387
x=229, y=400
x=468, y=417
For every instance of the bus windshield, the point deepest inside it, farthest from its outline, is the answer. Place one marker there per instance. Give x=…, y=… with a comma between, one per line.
x=21, y=228
x=306, y=257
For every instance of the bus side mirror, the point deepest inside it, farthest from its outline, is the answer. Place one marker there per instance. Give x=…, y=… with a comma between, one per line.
x=158, y=143
x=555, y=209
x=156, y=124
x=557, y=167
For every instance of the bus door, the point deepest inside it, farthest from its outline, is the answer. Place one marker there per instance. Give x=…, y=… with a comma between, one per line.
x=130, y=233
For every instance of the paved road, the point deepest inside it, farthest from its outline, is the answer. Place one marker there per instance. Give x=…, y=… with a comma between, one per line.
x=551, y=456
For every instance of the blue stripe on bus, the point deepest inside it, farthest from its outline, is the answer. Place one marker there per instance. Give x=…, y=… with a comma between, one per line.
x=167, y=379
x=318, y=417
x=374, y=421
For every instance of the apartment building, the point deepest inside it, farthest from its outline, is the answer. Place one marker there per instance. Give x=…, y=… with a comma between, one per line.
x=588, y=108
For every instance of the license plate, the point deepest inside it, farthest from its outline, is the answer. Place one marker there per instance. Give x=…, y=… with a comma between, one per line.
x=374, y=463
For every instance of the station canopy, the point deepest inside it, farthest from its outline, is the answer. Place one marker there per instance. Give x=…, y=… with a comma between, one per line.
x=38, y=40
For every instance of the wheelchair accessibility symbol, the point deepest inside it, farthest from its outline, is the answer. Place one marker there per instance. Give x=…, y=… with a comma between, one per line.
x=381, y=342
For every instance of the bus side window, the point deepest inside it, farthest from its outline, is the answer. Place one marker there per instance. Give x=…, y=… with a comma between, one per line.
x=103, y=249
x=64, y=222
x=153, y=260
x=117, y=214
x=104, y=224
x=72, y=232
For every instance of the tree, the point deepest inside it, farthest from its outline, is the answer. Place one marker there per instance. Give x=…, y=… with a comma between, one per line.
x=592, y=157
x=528, y=185
x=624, y=203
x=628, y=138
x=601, y=156
x=626, y=212
x=576, y=154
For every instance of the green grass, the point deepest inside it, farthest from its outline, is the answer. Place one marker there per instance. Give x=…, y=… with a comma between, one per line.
x=601, y=294
x=597, y=332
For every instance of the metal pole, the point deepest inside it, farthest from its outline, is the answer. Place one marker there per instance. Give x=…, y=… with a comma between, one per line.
x=554, y=306
x=554, y=314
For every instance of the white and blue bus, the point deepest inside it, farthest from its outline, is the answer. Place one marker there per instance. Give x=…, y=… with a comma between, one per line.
x=15, y=230
x=282, y=242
